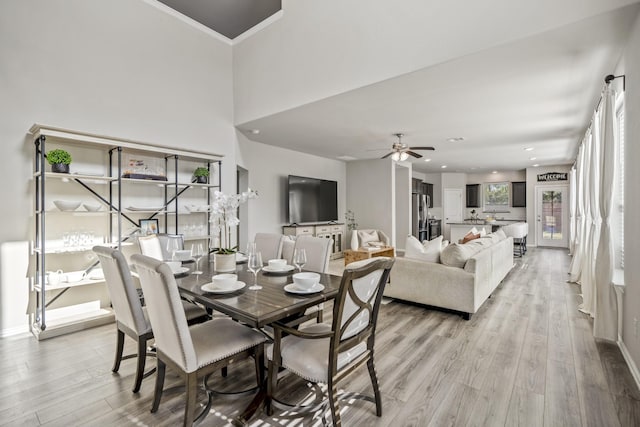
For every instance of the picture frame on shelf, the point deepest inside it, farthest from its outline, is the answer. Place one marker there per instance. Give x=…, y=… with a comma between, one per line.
x=149, y=226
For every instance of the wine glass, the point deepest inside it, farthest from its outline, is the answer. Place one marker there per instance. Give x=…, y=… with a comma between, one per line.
x=197, y=252
x=255, y=264
x=173, y=245
x=299, y=258
x=251, y=248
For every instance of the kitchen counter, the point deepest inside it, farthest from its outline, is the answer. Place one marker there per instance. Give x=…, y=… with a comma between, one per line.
x=458, y=230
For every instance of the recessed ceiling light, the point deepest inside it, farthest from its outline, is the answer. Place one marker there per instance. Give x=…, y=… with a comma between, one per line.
x=455, y=139
x=532, y=158
x=427, y=160
x=443, y=166
x=255, y=131
x=494, y=172
x=347, y=158
x=528, y=149
x=536, y=165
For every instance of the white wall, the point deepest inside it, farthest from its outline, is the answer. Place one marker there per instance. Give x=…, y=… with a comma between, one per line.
x=268, y=168
x=121, y=68
x=532, y=183
x=403, y=212
x=631, y=308
x=323, y=48
x=370, y=194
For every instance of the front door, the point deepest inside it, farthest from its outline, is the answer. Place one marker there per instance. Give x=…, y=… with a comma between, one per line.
x=552, y=219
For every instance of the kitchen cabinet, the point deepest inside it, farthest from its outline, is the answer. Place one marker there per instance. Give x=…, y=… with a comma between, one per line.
x=428, y=190
x=519, y=194
x=416, y=186
x=473, y=195
x=114, y=187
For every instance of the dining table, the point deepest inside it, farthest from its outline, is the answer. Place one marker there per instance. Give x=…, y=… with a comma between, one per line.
x=255, y=308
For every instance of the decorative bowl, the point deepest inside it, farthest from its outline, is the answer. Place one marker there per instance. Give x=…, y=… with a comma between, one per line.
x=66, y=205
x=91, y=208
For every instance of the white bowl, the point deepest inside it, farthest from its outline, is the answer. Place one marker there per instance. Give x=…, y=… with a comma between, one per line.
x=91, y=208
x=224, y=281
x=74, y=276
x=277, y=264
x=306, y=280
x=174, y=265
x=66, y=205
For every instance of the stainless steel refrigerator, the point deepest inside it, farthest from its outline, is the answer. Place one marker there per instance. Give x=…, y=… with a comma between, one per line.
x=420, y=216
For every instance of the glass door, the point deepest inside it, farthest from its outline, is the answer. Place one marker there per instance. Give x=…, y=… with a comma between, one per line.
x=552, y=224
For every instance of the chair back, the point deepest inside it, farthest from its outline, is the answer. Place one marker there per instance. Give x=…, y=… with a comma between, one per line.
x=318, y=251
x=166, y=311
x=164, y=239
x=371, y=235
x=269, y=244
x=150, y=246
x=517, y=230
x=124, y=295
x=355, y=310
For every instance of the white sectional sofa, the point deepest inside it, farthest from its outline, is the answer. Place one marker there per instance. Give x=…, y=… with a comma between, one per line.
x=474, y=270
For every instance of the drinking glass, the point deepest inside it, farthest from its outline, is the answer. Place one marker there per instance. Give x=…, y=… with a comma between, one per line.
x=197, y=252
x=251, y=248
x=173, y=245
x=299, y=258
x=255, y=265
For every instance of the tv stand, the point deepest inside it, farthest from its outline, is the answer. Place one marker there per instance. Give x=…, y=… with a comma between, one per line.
x=332, y=230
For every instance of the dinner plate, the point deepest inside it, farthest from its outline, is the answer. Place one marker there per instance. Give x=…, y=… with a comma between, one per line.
x=180, y=270
x=210, y=287
x=284, y=270
x=240, y=258
x=294, y=289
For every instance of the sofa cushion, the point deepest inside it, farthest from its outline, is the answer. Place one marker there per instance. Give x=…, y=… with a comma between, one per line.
x=367, y=236
x=456, y=254
x=428, y=251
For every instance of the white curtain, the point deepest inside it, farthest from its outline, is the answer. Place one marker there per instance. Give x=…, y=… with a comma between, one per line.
x=572, y=211
x=606, y=311
x=576, y=263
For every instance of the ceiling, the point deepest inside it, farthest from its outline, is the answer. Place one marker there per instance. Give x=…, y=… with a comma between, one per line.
x=227, y=17
x=535, y=93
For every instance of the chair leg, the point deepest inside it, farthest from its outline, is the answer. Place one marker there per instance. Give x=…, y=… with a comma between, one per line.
x=157, y=393
x=142, y=357
x=376, y=388
x=258, y=356
x=272, y=380
x=333, y=403
x=192, y=390
x=119, y=350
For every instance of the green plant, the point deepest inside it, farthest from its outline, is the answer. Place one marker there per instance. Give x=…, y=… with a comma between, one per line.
x=201, y=172
x=58, y=156
x=351, y=220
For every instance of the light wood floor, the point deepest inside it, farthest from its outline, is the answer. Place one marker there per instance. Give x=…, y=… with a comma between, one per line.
x=527, y=358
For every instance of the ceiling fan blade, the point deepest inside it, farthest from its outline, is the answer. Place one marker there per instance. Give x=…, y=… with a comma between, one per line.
x=422, y=148
x=387, y=155
x=411, y=153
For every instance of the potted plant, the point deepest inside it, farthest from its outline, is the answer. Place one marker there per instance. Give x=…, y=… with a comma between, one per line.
x=59, y=160
x=202, y=175
x=352, y=226
x=224, y=216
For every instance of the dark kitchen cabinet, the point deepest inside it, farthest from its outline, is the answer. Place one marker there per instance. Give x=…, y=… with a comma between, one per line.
x=473, y=195
x=416, y=186
x=428, y=190
x=519, y=194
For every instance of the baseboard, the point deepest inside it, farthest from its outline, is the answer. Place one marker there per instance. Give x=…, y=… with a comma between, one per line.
x=16, y=330
x=630, y=363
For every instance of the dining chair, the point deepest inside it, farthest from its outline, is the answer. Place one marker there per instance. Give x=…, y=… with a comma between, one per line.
x=318, y=252
x=269, y=245
x=150, y=246
x=165, y=238
x=191, y=351
x=131, y=316
x=322, y=353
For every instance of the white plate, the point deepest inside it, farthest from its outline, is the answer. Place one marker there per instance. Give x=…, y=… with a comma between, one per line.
x=180, y=271
x=210, y=287
x=286, y=269
x=241, y=257
x=294, y=289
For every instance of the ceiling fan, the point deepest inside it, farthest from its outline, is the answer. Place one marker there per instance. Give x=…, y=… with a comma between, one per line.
x=401, y=151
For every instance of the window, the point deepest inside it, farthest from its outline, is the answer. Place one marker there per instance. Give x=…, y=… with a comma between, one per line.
x=496, y=196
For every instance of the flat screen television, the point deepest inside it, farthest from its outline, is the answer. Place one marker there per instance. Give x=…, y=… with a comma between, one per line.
x=312, y=200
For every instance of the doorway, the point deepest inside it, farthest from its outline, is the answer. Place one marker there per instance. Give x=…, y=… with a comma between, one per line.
x=452, y=206
x=552, y=218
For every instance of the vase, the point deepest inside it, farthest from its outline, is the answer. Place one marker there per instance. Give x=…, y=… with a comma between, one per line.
x=60, y=168
x=202, y=179
x=224, y=263
x=354, y=240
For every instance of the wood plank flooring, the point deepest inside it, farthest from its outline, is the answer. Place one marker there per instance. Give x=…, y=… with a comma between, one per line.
x=527, y=358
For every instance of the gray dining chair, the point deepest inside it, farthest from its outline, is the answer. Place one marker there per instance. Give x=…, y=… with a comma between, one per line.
x=269, y=245
x=322, y=353
x=318, y=251
x=131, y=316
x=150, y=246
x=192, y=352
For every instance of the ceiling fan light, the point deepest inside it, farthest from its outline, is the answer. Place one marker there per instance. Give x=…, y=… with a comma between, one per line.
x=403, y=156
x=395, y=156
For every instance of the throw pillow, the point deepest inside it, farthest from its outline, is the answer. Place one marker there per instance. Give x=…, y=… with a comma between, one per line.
x=483, y=232
x=456, y=255
x=469, y=237
x=445, y=243
x=428, y=251
x=367, y=236
x=500, y=233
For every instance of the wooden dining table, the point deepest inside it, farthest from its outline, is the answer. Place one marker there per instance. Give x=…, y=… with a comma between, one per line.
x=256, y=308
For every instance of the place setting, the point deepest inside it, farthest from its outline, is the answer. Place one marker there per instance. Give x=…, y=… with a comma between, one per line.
x=305, y=283
x=223, y=284
x=277, y=267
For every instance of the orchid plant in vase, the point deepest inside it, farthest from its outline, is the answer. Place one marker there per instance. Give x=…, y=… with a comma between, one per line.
x=223, y=216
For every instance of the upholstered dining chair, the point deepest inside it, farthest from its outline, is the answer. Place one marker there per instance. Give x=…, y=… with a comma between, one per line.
x=193, y=352
x=164, y=239
x=269, y=245
x=131, y=317
x=150, y=246
x=322, y=353
x=318, y=252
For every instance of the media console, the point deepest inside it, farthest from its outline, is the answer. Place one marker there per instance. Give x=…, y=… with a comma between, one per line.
x=333, y=231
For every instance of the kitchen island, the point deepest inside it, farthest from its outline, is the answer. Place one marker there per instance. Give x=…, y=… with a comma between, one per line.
x=459, y=229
